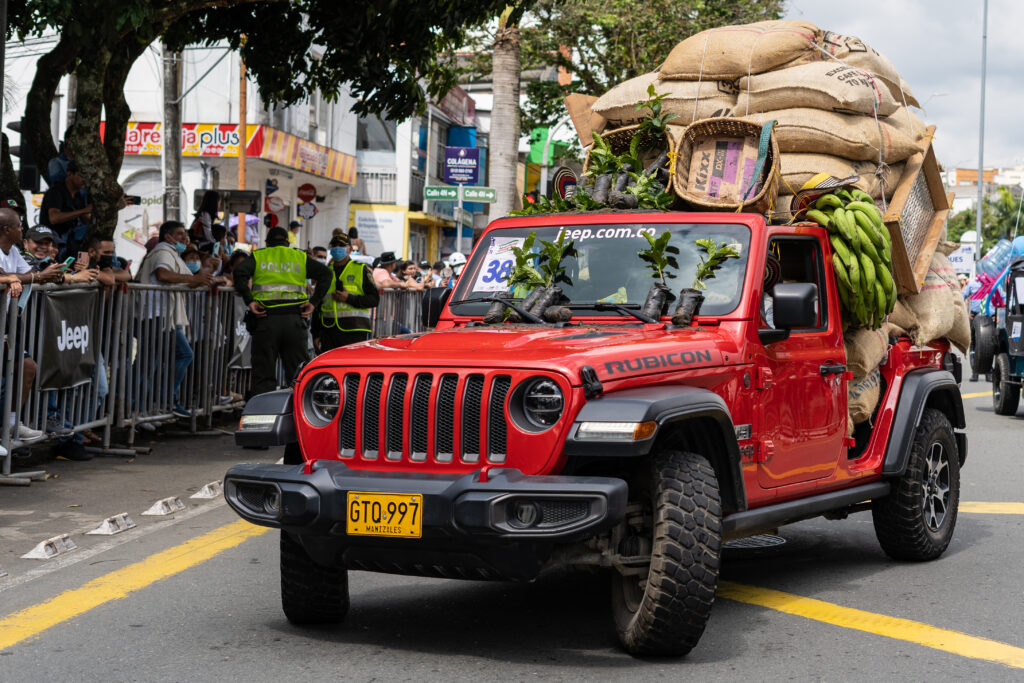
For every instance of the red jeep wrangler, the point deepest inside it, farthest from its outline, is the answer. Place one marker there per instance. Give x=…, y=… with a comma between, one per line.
x=496, y=451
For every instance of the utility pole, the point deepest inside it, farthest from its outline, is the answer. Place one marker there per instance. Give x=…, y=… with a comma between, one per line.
x=172, y=135
x=243, y=138
x=981, y=134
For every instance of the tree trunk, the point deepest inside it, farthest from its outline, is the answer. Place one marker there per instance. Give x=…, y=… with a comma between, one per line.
x=504, y=142
x=36, y=136
x=84, y=141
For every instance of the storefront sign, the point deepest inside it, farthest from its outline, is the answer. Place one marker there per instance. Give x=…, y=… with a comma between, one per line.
x=306, y=192
x=307, y=210
x=221, y=140
x=458, y=106
x=381, y=230
x=461, y=165
x=273, y=204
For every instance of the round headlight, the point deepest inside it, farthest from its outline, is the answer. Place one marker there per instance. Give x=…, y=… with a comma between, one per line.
x=323, y=398
x=542, y=402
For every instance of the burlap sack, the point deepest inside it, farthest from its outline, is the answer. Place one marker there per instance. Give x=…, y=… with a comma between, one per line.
x=903, y=318
x=798, y=168
x=862, y=397
x=820, y=85
x=908, y=123
x=688, y=100
x=730, y=52
x=843, y=135
x=939, y=307
x=865, y=350
x=852, y=51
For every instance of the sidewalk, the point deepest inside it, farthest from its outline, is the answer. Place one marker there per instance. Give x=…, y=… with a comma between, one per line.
x=78, y=496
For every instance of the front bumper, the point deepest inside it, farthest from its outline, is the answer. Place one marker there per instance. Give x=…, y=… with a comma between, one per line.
x=470, y=527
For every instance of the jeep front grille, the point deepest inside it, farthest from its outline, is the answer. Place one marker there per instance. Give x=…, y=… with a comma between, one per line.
x=421, y=416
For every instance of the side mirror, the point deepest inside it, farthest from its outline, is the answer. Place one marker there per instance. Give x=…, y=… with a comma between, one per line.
x=433, y=303
x=794, y=306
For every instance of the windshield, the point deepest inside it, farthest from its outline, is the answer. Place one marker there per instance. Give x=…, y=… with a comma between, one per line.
x=607, y=268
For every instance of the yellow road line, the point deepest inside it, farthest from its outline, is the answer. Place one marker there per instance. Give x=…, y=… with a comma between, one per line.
x=879, y=624
x=977, y=395
x=992, y=508
x=34, y=620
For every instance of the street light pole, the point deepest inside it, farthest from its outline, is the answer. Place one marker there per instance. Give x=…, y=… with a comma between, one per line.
x=981, y=133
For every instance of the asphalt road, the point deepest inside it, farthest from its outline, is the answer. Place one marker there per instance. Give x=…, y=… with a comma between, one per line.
x=143, y=606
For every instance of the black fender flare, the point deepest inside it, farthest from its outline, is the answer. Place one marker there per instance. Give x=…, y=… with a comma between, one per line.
x=282, y=432
x=920, y=389
x=665, y=405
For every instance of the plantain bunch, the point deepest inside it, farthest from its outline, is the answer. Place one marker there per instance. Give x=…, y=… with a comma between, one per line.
x=861, y=255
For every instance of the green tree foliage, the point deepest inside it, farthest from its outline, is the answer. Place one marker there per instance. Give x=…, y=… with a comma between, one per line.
x=611, y=41
x=389, y=53
x=998, y=218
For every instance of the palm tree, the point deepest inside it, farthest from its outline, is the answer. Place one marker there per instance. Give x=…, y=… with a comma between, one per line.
x=505, y=132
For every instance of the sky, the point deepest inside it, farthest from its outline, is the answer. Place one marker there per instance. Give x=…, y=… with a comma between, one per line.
x=936, y=45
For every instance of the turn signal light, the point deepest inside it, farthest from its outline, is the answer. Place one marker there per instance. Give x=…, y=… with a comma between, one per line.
x=624, y=431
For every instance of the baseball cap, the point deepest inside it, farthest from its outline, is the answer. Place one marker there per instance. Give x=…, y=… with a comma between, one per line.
x=40, y=233
x=295, y=224
x=424, y=264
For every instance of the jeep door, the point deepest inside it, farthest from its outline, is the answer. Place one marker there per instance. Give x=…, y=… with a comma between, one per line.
x=802, y=419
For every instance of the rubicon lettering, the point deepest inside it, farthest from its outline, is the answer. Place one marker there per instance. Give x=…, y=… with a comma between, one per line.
x=73, y=337
x=660, y=361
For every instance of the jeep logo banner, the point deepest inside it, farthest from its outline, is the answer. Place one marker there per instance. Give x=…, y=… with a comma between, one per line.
x=68, y=343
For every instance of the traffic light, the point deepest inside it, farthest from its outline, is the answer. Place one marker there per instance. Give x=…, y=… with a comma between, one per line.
x=28, y=172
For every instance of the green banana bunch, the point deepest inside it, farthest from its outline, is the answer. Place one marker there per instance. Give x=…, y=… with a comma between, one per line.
x=861, y=255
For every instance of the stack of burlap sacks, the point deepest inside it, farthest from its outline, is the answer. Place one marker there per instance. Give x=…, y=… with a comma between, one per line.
x=842, y=109
x=936, y=312
x=833, y=117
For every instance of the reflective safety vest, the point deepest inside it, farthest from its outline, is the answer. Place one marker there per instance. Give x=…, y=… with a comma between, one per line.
x=280, y=277
x=332, y=312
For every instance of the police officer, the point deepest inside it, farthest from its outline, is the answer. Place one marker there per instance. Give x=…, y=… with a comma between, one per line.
x=344, y=316
x=279, y=308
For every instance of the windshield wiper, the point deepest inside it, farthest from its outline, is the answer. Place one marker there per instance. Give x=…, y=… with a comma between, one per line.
x=523, y=313
x=628, y=309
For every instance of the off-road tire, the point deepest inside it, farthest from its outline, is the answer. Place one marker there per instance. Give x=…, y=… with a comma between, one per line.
x=310, y=593
x=667, y=614
x=1005, y=394
x=916, y=520
x=986, y=344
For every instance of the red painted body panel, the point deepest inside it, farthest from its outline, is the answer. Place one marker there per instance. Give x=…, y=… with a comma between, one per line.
x=798, y=417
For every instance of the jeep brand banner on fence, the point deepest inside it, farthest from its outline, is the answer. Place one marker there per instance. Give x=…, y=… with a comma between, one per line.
x=69, y=339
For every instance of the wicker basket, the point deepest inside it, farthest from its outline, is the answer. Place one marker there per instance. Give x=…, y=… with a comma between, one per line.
x=619, y=140
x=726, y=128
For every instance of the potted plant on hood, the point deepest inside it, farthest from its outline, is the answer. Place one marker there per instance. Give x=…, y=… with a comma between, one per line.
x=552, y=271
x=524, y=278
x=691, y=298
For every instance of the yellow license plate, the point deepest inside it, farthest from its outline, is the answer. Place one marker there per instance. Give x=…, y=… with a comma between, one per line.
x=395, y=515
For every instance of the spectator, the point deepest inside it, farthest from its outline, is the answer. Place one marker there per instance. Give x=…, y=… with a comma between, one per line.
x=456, y=262
x=384, y=273
x=38, y=252
x=435, y=273
x=164, y=265
x=15, y=271
x=201, y=231
x=66, y=207
x=293, y=234
x=410, y=275
x=57, y=169
x=424, y=267
x=320, y=254
x=355, y=242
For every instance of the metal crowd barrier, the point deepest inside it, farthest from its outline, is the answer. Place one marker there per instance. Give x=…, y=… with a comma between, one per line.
x=136, y=344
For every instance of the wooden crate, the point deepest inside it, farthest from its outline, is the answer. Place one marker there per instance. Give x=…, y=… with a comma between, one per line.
x=915, y=218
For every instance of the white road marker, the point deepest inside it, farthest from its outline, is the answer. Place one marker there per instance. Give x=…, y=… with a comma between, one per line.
x=167, y=506
x=211, y=490
x=51, y=547
x=113, y=525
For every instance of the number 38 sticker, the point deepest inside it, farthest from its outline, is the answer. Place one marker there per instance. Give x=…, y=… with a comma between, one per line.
x=497, y=265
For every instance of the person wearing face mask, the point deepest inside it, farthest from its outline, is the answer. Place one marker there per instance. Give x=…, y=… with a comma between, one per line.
x=101, y=260
x=279, y=306
x=320, y=254
x=164, y=266
x=345, y=312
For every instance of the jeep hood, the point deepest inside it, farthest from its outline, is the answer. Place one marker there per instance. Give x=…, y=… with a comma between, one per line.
x=613, y=350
